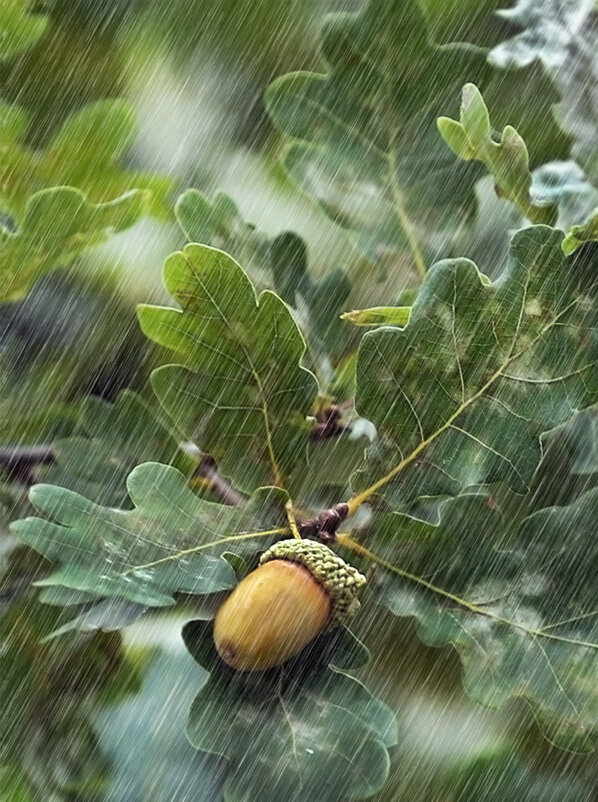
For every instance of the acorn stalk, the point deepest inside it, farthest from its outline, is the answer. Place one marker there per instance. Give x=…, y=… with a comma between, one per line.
x=300, y=589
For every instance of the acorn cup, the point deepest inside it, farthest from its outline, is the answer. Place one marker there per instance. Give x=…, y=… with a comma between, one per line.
x=300, y=589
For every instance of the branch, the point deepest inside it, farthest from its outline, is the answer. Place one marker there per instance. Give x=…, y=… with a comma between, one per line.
x=207, y=475
x=19, y=461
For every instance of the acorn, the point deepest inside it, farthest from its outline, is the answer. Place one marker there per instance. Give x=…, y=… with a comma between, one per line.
x=300, y=589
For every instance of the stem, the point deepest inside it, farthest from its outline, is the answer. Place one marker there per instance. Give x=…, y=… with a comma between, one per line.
x=292, y=520
x=208, y=476
x=281, y=530
x=403, y=217
x=19, y=461
x=357, y=500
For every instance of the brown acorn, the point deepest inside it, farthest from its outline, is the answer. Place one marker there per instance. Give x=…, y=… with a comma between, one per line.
x=300, y=589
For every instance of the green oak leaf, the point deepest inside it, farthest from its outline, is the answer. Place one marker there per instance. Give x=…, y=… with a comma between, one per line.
x=218, y=222
x=20, y=27
x=59, y=224
x=522, y=616
x=585, y=433
x=580, y=234
x=561, y=542
x=329, y=465
x=170, y=542
x=462, y=395
x=111, y=440
x=305, y=731
x=569, y=467
x=281, y=261
x=86, y=152
x=507, y=161
x=503, y=776
x=365, y=143
x=324, y=298
x=240, y=392
x=379, y=316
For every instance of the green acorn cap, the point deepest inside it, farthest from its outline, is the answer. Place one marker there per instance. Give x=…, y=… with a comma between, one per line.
x=341, y=581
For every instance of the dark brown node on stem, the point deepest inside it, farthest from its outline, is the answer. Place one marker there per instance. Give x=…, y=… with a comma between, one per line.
x=328, y=424
x=325, y=526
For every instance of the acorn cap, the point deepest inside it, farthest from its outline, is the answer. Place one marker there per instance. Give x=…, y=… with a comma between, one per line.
x=339, y=579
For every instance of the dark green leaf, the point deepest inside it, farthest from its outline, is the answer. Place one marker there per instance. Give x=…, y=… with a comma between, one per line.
x=241, y=392
x=523, y=621
x=462, y=395
x=584, y=430
x=569, y=466
x=365, y=139
x=59, y=224
x=219, y=223
x=306, y=731
x=111, y=440
x=330, y=464
x=170, y=542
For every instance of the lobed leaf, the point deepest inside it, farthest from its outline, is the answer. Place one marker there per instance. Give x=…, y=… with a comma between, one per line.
x=59, y=224
x=365, y=143
x=507, y=161
x=580, y=234
x=86, y=152
x=281, y=262
x=218, y=222
x=329, y=465
x=523, y=620
x=111, y=440
x=304, y=731
x=462, y=395
x=240, y=392
x=170, y=542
